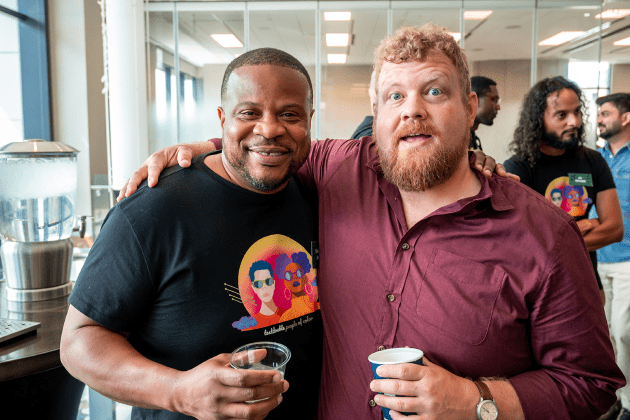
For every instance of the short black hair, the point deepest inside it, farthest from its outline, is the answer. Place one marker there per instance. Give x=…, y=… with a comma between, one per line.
x=621, y=101
x=481, y=85
x=263, y=56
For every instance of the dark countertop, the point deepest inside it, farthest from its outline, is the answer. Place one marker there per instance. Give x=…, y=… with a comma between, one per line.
x=32, y=352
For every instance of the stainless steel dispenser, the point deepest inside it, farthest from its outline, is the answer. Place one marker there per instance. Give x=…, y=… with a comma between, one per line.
x=38, y=189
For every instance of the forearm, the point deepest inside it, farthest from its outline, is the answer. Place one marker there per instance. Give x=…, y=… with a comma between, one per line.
x=116, y=370
x=506, y=399
x=602, y=235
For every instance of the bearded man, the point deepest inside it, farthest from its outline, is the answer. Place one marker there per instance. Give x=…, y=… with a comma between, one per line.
x=418, y=248
x=549, y=154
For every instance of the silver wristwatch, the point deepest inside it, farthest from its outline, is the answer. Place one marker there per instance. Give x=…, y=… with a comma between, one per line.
x=487, y=408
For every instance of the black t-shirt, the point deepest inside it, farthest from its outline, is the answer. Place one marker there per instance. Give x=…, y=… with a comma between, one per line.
x=571, y=181
x=172, y=266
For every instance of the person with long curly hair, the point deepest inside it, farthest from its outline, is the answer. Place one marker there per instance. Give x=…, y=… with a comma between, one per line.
x=549, y=153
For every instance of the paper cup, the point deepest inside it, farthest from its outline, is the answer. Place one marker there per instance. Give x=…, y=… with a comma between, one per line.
x=394, y=357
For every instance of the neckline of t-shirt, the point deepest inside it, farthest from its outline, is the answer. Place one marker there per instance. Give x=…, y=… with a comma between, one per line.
x=198, y=161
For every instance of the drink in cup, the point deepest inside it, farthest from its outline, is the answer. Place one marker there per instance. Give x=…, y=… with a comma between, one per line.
x=263, y=355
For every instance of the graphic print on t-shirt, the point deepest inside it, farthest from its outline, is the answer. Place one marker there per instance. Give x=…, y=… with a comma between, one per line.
x=571, y=198
x=276, y=283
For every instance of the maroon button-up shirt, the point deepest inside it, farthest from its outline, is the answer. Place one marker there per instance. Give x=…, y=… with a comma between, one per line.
x=499, y=284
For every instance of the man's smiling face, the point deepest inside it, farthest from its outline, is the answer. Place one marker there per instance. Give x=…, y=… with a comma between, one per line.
x=266, y=122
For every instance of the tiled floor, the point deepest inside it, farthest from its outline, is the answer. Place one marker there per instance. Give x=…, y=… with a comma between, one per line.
x=121, y=411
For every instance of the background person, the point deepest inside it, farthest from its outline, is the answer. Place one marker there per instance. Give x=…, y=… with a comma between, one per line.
x=613, y=261
x=489, y=100
x=549, y=154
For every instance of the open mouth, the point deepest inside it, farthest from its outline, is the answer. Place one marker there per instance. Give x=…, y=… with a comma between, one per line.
x=415, y=137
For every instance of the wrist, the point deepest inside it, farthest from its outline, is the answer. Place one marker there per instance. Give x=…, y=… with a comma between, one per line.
x=486, y=408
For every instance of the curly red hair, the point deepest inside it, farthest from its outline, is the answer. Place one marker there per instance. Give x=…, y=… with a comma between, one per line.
x=413, y=43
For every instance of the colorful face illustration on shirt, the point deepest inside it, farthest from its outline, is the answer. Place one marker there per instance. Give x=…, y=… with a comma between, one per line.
x=570, y=198
x=276, y=283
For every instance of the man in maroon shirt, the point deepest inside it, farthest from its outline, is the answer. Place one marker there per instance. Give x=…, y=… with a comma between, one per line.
x=419, y=249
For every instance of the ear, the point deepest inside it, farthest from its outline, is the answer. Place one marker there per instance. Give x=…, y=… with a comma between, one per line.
x=221, y=113
x=473, y=104
x=625, y=119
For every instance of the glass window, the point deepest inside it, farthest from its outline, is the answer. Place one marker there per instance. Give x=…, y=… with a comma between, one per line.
x=570, y=47
x=345, y=101
x=498, y=44
x=10, y=78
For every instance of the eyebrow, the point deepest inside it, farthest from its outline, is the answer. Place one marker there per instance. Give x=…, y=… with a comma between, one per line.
x=256, y=105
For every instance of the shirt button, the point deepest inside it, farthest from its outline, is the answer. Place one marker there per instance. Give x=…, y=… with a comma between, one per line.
x=381, y=348
x=405, y=246
x=372, y=403
x=391, y=298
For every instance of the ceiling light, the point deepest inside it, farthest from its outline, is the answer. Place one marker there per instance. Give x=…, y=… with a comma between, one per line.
x=456, y=35
x=560, y=38
x=477, y=14
x=337, y=40
x=337, y=16
x=227, y=40
x=613, y=14
x=625, y=41
x=587, y=14
x=336, y=58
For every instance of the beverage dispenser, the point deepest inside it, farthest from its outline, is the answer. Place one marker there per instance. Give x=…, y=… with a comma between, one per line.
x=38, y=189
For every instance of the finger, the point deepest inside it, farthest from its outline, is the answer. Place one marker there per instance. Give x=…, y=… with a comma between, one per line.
x=488, y=166
x=184, y=157
x=247, y=357
x=513, y=176
x=479, y=158
x=122, y=192
x=406, y=371
x=397, y=403
x=246, y=378
x=251, y=411
x=395, y=415
x=500, y=169
x=394, y=387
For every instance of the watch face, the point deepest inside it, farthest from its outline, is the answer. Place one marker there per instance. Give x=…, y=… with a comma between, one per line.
x=488, y=411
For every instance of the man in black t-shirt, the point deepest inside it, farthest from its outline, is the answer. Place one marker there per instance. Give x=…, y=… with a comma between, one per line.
x=549, y=156
x=220, y=254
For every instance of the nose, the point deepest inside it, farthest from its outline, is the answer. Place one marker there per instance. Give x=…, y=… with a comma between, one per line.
x=574, y=120
x=498, y=107
x=269, y=127
x=414, y=108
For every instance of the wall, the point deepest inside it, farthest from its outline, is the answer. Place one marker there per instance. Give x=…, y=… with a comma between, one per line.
x=345, y=99
x=620, y=78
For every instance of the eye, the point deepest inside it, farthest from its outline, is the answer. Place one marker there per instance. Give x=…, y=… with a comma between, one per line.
x=434, y=91
x=395, y=96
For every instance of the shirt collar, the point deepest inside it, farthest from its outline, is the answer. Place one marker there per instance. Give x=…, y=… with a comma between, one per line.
x=490, y=190
x=607, y=148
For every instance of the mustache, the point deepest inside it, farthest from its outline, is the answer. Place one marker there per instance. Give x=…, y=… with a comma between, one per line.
x=414, y=127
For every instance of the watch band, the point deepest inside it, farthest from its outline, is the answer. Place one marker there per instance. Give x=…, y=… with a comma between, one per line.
x=484, y=390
